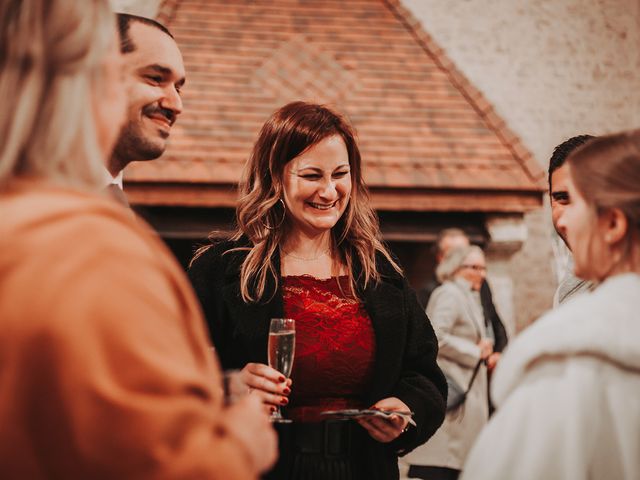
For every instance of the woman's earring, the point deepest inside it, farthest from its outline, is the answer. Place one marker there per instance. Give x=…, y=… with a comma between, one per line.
x=269, y=227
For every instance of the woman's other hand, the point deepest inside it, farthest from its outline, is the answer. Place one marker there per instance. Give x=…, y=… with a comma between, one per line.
x=267, y=383
x=486, y=348
x=247, y=421
x=386, y=429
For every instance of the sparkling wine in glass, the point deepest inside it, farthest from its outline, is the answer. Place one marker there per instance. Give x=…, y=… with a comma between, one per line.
x=282, y=345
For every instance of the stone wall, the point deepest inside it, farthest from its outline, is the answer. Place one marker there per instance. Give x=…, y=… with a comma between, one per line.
x=552, y=69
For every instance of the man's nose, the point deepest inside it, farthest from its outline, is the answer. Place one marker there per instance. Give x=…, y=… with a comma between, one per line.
x=172, y=100
x=561, y=223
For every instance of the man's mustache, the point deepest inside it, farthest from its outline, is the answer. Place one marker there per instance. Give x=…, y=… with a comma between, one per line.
x=151, y=110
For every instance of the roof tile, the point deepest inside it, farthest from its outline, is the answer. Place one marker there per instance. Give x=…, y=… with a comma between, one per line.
x=421, y=124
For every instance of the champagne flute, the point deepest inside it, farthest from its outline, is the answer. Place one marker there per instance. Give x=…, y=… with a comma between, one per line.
x=282, y=345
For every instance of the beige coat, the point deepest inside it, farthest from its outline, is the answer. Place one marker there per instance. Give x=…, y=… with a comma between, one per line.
x=105, y=367
x=456, y=315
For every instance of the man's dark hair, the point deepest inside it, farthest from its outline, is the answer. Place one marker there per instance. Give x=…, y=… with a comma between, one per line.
x=562, y=151
x=126, y=19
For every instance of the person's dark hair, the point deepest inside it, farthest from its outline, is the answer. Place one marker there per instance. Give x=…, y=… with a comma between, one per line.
x=562, y=151
x=126, y=19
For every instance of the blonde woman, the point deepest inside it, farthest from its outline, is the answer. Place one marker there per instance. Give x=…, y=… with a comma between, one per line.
x=308, y=247
x=466, y=343
x=105, y=368
x=567, y=389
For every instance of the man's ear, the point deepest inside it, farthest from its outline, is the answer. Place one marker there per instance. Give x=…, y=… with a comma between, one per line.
x=616, y=226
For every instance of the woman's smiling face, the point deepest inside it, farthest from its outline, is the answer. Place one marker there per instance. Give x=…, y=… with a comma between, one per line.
x=586, y=232
x=317, y=186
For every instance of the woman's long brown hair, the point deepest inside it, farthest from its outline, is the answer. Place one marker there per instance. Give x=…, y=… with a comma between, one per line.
x=291, y=130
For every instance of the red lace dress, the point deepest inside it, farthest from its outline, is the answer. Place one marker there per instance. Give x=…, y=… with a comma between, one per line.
x=335, y=347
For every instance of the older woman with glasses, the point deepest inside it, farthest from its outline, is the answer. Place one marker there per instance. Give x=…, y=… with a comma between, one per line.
x=465, y=345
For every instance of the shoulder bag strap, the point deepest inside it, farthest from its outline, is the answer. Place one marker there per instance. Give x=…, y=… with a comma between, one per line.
x=473, y=377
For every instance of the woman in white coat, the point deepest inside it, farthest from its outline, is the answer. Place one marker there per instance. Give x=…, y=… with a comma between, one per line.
x=464, y=341
x=568, y=388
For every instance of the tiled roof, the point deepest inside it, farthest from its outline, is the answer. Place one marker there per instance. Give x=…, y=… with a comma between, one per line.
x=424, y=130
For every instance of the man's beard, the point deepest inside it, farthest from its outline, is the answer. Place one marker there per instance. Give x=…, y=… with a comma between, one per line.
x=132, y=145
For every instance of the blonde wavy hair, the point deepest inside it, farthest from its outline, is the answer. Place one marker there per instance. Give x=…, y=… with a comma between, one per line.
x=356, y=237
x=51, y=54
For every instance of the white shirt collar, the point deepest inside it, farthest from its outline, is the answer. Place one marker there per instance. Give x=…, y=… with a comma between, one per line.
x=109, y=180
x=118, y=179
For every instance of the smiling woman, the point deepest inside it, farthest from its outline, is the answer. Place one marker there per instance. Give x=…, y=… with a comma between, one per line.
x=317, y=186
x=308, y=247
x=306, y=158
x=567, y=388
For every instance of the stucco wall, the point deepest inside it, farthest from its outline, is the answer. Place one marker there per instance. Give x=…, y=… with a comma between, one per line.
x=145, y=8
x=552, y=69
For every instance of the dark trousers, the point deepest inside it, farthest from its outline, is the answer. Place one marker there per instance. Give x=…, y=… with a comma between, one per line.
x=433, y=473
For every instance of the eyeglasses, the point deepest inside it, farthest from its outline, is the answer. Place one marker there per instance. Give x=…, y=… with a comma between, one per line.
x=477, y=268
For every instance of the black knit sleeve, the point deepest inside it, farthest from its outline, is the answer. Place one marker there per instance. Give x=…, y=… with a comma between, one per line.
x=422, y=385
x=206, y=273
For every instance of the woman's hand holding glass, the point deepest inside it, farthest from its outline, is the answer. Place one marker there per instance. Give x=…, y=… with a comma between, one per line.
x=386, y=429
x=267, y=383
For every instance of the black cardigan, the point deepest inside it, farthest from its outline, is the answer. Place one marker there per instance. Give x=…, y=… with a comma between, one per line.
x=406, y=346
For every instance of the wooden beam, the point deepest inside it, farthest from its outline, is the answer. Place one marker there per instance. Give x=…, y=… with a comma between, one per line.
x=388, y=199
